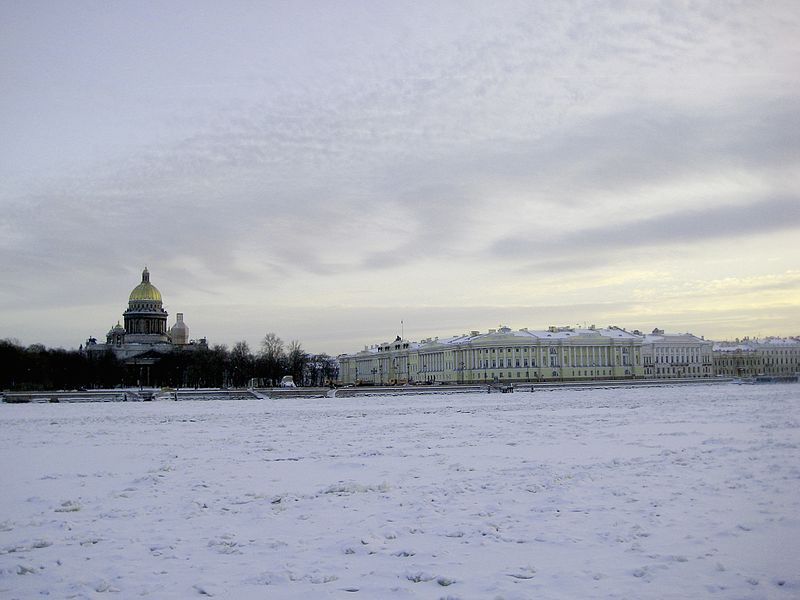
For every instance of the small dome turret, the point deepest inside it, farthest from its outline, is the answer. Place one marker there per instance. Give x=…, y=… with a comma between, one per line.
x=116, y=335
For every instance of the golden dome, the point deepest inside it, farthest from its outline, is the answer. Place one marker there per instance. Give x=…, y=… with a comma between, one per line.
x=145, y=290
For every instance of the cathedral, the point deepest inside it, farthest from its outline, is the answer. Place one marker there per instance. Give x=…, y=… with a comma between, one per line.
x=144, y=337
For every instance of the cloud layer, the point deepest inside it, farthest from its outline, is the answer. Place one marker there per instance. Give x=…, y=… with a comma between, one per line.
x=324, y=158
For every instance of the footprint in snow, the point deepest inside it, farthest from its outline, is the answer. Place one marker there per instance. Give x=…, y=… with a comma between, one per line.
x=26, y=570
x=69, y=506
x=203, y=590
x=419, y=576
x=103, y=586
x=527, y=572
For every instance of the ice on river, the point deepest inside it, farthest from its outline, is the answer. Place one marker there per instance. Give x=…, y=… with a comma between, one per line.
x=673, y=492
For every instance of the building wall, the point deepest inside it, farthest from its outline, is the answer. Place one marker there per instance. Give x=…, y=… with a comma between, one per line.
x=740, y=362
x=667, y=356
x=778, y=357
x=502, y=355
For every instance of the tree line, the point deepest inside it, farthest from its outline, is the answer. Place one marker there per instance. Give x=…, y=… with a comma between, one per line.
x=35, y=367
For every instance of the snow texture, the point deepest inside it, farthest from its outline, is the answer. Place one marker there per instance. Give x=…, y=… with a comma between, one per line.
x=673, y=492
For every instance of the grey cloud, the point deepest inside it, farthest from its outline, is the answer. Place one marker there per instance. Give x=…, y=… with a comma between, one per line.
x=381, y=323
x=623, y=152
x=687, y=227
x=648, y=144
x=278, y=196
x=560, y=265
x=789, y=284
x=420, y=127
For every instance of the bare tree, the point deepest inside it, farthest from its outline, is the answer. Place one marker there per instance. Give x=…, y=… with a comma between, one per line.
x=321, y=370
x=296, y=361
x=272, y=360
x=242, y=364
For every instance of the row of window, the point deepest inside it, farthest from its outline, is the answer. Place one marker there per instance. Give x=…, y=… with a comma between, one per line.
x=679, y=359
x=552, y=349
x=687, y=370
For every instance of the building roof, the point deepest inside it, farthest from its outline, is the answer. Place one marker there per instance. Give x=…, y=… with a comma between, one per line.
x=661, y=337
x=562, y=333
x=505, y=335
x=751, y=345
x=145, y=290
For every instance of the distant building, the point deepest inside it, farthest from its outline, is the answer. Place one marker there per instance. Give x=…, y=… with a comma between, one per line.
x=144, y=337
x=179, y=333
x=780, y=356
x=773, y=356
x=503, y=355
x=673, y=355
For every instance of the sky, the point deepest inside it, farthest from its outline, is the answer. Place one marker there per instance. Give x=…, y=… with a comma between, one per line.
x=329, y=170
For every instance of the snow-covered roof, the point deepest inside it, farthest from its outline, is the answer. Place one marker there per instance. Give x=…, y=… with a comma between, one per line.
x=505, y=335
x=562, y=333
x=651, y=338
x=751, y=345
x=734, y=347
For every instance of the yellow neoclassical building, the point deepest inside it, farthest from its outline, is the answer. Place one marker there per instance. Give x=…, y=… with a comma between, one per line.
x=503, y=354
x=772, y=356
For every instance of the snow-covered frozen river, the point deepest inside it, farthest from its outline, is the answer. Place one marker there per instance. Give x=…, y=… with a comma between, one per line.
x=684, y=492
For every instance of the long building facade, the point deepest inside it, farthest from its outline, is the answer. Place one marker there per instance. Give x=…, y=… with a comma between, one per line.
x=772, y=357
x=499, y=355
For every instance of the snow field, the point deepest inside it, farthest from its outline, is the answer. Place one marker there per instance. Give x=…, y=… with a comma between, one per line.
x=682, y=492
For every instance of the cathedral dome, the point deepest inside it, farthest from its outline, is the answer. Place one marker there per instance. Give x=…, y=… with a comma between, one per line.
x=145, y=290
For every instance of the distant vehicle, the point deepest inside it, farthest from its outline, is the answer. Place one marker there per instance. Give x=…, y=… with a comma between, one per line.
x=287, y=382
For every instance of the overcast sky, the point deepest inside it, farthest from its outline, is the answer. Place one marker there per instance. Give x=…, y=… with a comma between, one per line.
x=325, y=170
